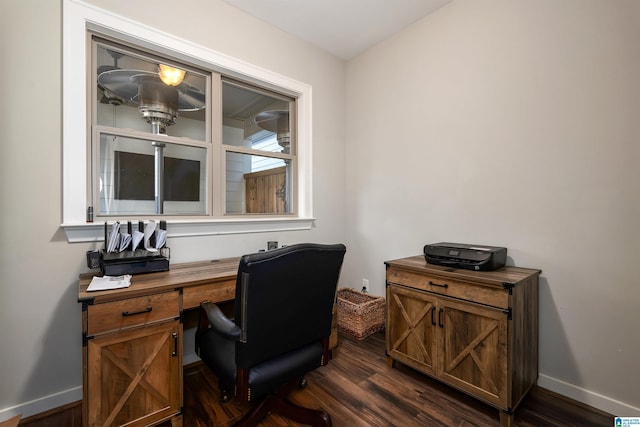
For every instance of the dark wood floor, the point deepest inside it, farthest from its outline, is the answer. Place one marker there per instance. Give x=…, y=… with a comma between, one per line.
x=358, y=389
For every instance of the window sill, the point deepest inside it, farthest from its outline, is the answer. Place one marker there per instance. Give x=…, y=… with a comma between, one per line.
x=94, y=231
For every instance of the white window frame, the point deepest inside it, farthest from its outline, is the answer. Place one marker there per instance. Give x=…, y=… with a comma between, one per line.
x=78, y=18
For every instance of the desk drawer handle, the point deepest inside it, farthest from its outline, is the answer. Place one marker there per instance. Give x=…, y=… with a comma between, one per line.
x=443, y=285
x=133, y=313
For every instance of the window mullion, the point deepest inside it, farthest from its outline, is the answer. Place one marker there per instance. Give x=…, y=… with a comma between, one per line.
x=216, y=180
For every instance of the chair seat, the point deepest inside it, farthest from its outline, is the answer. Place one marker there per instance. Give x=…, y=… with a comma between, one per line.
x=219, y=353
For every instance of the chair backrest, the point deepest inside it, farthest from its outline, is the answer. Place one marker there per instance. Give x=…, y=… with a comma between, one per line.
x=284, y=299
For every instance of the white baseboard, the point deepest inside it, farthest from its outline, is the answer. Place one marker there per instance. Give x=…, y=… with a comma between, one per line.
x=43, y=404
x=588, y=397
x=571, y=391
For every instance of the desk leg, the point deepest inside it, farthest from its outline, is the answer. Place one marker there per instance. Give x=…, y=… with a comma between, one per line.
x=506, y=419
x=391, y=362
x=176, y=421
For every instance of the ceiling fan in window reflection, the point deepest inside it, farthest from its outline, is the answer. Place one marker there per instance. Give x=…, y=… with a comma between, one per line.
x=160, y=95
x=276, y=121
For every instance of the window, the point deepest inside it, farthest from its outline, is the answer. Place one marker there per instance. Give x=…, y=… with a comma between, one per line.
x=226, y=150
x=151, y=141
x=257, y=137
x=152, y=151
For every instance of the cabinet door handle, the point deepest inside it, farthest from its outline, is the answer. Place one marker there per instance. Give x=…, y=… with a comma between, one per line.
x=440, y=318
x=133, y=313
x=433, y=316
x=175, y=344
x=441, y=285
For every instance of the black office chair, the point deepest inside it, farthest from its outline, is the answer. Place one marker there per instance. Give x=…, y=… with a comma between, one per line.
x=283, y=310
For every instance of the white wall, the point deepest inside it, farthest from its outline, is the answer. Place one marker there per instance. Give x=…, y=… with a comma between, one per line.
x=40, y=342
x=490, y=121
x=513, y=123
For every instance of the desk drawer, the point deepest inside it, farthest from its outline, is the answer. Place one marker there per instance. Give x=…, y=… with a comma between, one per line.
x=493, y=296
x=116, y=315
x=192, y=296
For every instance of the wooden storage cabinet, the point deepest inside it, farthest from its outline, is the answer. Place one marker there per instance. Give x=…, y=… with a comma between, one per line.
x=134, y=376
x=133, y=361
x=476, y=331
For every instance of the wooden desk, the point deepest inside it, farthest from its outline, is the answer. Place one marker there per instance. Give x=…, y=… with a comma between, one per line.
x=132, y=342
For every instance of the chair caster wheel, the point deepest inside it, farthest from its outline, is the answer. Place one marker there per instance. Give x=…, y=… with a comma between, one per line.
x=302, y=383
x=224, y=396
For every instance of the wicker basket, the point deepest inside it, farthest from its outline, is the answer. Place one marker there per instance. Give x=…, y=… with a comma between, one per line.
x=359, y=315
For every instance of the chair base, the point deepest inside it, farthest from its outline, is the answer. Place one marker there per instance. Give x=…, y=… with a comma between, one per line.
x=278, y=403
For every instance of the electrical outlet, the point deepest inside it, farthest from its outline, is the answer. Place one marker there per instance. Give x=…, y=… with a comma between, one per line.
x=365, y=285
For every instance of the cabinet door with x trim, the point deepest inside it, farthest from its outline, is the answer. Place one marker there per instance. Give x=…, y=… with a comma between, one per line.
x=462, y=343
x=473, y=349
x=411, y=330
x=133, y=376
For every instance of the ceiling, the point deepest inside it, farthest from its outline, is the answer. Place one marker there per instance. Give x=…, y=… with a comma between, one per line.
x=344, y=28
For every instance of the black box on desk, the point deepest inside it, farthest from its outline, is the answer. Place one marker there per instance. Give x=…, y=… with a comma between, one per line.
x=134, y=262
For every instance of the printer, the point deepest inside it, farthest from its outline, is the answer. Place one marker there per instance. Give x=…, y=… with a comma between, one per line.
x=469, y=257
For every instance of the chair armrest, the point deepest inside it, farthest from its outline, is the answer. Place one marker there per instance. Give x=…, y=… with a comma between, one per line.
x=221, y=323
